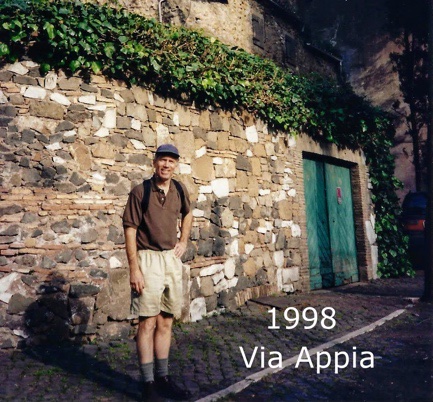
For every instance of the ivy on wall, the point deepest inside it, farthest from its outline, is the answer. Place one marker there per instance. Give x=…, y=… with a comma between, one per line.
x=185, y=64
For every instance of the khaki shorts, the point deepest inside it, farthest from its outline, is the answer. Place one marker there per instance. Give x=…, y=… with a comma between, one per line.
x=162, y=272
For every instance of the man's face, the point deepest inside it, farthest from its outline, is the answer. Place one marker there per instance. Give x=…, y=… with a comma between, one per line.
x=164, y=166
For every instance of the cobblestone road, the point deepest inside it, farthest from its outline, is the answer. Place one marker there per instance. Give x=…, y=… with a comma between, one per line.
x=206, y=355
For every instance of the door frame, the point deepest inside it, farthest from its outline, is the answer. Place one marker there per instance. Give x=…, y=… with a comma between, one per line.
x=359, y=213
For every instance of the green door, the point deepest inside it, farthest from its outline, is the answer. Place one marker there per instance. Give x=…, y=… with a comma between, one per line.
x=330, y=224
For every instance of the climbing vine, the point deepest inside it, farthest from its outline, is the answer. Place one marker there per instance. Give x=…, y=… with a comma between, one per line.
x=185, y=64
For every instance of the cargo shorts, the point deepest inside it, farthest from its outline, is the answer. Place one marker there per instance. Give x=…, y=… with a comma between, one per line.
x=162, y=272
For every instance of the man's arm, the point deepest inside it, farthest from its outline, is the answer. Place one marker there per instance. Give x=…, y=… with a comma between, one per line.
x=135, y=276
x=185, y=230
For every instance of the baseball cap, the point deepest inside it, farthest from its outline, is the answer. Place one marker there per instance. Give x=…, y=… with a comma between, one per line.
x=168, y=149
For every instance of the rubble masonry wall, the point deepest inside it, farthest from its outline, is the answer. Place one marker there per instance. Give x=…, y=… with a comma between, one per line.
x=72, y=150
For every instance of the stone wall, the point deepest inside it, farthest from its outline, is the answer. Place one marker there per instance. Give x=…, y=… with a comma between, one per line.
x=231, y=21
x=70, y=153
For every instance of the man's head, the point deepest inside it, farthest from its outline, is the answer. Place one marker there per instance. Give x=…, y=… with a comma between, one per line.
x=167, y=149
x=165, y=161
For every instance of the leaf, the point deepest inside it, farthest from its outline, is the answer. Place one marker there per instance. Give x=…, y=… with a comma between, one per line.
x=74, y=65
x=4, y=49
x=109, y=49
x=50, y=30
x=44, y=67
x=96, y=66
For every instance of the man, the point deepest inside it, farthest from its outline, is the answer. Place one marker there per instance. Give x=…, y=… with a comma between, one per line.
x=150, y=223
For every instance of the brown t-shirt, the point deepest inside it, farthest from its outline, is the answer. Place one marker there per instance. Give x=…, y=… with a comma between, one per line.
x=157, y=229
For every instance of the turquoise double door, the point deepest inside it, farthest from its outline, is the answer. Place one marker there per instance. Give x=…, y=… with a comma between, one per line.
x=330, y=224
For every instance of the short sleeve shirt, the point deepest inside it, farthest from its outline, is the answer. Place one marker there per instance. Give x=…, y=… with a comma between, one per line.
x=157, y=228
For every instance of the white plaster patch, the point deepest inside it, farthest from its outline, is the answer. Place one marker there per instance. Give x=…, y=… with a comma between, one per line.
x=201, y=198
x=30, y=64
x=371, y=234
x=248, y=248
x=87, y=99
x=50, y=81
x=102, y=132
x=162, y=134
x=290, y=275
x=197, y=309
x=17, y=68
x=279, y=258
x=251, y=134
x=231, y=283
x=59, y=98
x=135, y=124
x=3, y=98
x=292, y=192
x=150, y=97
x=249, y=153
x=296, y=230
x=288, y=288
x=223, y=285
x=291, y=143
x=233, y=248
x=118, y=97
x=137, y=144
x=217, y=161
x=176, y=119
x=35, y=92
x=229, y=268
x=373, y=220
x=264, y=191
x=54, y=147
x=217, y=278
x=69, y=133
x=211, y=270
x=280, y=196
x=109, y=120
x=99, y=107
x=233, y=232
x=98, y=177
x=205, y=190
x=6, y=284
x=200, y=152
x=261, y=229
x=20, y=333
x=184, y=168
x=220, y=187
x=58, y=160
x=115, y=263
x=197, y=213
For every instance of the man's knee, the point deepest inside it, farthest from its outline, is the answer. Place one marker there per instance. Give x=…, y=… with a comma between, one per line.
x=164, y=322
x=147, y=325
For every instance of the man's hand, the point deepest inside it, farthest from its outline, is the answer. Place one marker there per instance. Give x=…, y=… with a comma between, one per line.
x=180, y=248
x=137, y=281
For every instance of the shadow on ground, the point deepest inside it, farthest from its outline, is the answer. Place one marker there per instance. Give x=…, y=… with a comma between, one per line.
x=63, y=360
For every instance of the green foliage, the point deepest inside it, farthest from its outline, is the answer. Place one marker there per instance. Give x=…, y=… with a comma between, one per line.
x=185, y=64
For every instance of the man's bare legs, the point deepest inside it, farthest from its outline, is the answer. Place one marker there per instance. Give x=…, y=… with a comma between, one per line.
x=153, y=342
x=154, y=337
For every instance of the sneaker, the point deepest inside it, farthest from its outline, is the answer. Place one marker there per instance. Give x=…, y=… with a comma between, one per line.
x=149, y=393
x=168, y=389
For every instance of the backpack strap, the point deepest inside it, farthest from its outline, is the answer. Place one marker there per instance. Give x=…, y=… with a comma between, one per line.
x=147, y=190
x=181, y=194
x=146, y=195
